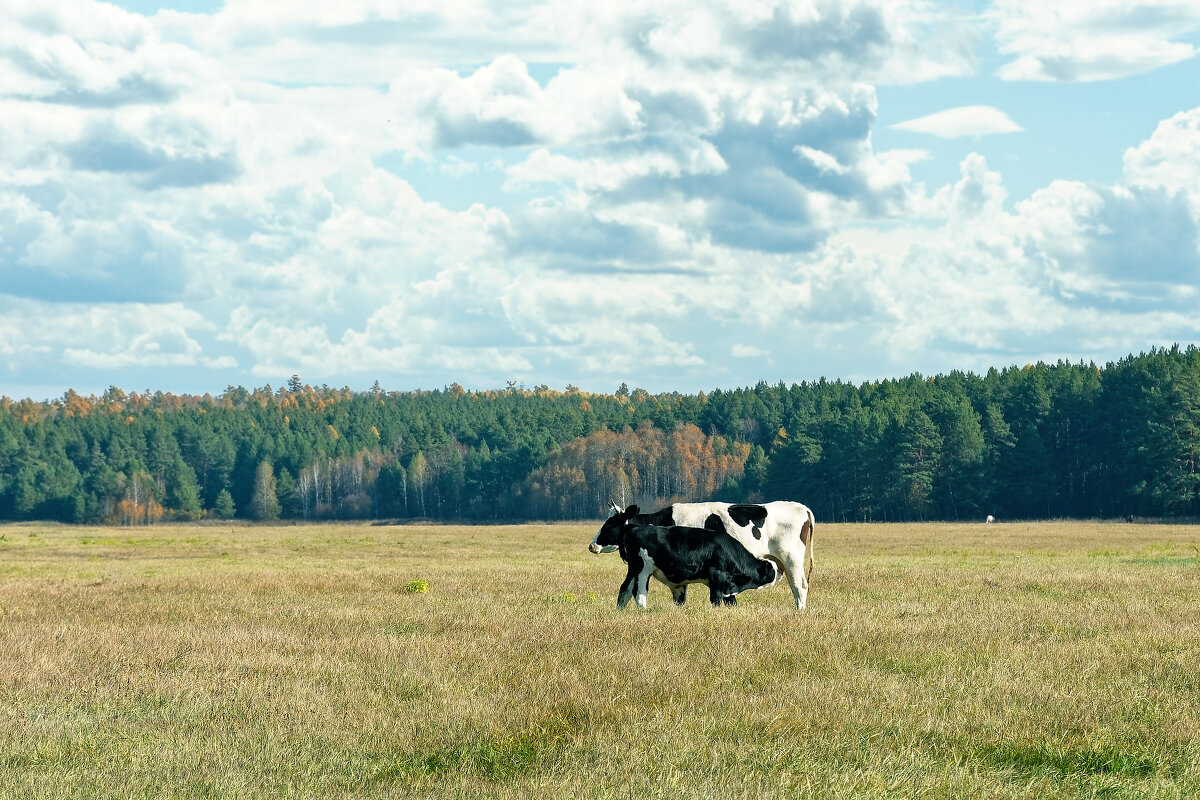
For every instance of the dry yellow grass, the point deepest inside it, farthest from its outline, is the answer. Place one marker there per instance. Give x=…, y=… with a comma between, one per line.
x=1041, y=660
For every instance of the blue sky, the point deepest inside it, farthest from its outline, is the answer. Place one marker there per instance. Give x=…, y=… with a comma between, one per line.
x=678, y=196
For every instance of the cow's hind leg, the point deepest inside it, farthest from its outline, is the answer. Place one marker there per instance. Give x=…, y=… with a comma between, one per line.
x=796, y=578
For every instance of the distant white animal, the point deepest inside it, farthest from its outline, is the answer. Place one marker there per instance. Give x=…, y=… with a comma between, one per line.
x=991, y=518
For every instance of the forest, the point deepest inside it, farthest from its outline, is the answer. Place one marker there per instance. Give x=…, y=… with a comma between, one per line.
x=1039, y=441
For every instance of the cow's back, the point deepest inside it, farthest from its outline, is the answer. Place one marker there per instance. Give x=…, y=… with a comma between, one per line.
x=693, y=515
x=778, y=529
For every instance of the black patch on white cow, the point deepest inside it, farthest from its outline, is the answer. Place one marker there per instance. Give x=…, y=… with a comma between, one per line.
x=745, y=513
x=714, y=524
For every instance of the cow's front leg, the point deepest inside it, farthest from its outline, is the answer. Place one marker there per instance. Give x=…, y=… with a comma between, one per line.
x=627, y=587
x=721, y=590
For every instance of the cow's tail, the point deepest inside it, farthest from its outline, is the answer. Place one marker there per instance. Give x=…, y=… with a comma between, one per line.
x=808, y=551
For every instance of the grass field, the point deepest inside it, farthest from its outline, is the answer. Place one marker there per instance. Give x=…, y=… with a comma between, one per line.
x=341, y=661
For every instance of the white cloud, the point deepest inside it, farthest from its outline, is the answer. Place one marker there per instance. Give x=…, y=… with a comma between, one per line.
x=109, y=336
x=89, y=55
x=1171, y=156
x=962, y=121
x=1086, y=270
x=689, y=186
x=364, y=42
x=500, y=105
x=978, y=195
x=1092, y=40
x=821, y=160
x=665, y=160
x=815, y=43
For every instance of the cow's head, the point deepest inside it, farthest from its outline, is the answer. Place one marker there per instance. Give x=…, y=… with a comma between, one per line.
x=766, y=573
x=609, y=537
x=769, y=573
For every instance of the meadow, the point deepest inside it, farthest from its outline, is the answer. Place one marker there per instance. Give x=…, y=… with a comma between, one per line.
x=354, y=661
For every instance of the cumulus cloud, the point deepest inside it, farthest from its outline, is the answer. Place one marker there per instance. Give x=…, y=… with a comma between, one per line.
x=1170, y=157
x=51, y=256
x=1093, y=40
x=105, y=336
x=108, y=149
x=962, y=121
x=682, y=189
x=500, y=105
x=1112, y=249
x=812, y=42
x=89, y=55
x=769, y=170
x=979, y=193
x=1084, y=269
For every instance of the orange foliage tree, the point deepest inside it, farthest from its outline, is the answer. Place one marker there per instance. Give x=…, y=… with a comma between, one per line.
x=139, y=507
x=646, y=466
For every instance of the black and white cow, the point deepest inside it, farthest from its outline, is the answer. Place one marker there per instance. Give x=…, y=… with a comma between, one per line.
x=781, y=531
x=679, y=555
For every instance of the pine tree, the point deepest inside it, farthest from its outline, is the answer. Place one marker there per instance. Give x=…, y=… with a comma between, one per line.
x=957, y=479
x=755, y=475
x=183, y=493
x=223, y=506
x=1026, y=471
x=917, y=459
x=285, y=490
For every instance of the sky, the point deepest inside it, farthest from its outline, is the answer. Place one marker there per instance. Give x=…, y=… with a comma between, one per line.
x=679, y=196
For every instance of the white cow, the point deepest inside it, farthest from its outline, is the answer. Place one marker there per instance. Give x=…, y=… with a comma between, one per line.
x=781, y=531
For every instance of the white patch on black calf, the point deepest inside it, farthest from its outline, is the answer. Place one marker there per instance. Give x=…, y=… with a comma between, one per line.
x=643, y=578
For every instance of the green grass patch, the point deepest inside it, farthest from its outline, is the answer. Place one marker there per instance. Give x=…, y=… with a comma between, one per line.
x=1130, y=759
x=491, y=759
x=1165, y=561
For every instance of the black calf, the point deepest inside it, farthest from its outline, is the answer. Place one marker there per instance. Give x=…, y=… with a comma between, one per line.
x=679, y=555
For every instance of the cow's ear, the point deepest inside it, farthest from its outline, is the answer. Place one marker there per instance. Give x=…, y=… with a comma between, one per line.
x=631, y=511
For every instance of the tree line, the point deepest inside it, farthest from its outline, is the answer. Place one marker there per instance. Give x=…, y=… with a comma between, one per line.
x=1039, y=441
